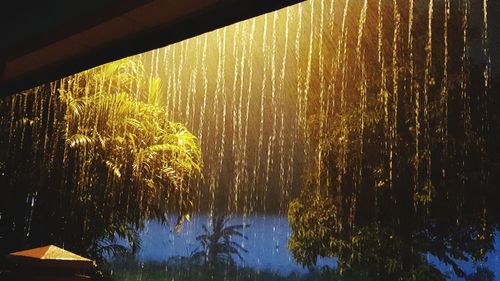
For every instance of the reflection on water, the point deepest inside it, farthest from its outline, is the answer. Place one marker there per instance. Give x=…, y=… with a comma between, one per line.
x=266, y=243
x=375, y=125
x=467, y=256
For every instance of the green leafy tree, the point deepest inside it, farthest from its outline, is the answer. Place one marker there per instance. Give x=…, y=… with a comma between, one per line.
x=100, y=157
x=403, y=155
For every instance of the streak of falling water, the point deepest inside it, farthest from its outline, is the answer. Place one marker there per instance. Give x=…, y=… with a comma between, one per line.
x=486, y=48
x=307, y=81
x=258, y=165
x=486, y=75
x=152, y=63
x=284, y=182
x=241, y=174
x=191, y=91
x=363, y=106
x=361, y=29
x=362, y=85
x=240, y=155
x=444, y=92
x=428, y=82
x=180, y=73
x=204, y=74
x=342, y=47
x=236, y=117
x=215, y=171
x=222, y=91
x=173, y=82
x=332, y=87
x=342, y=60
x=168, y=79
x=251, y=190
x=414, y=94
x=301, y=132
x=379, y=30
x=272, y=137
x=383, y=91
x=224, y=104
x=393, y=128
x=23, y=108
x=321, y=63
x=157, y=62
x=465, y=112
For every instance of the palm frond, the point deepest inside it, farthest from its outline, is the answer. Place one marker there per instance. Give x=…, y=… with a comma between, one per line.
x=114, y=169
x=79, y=140
x=216, y=245
x=112, y=250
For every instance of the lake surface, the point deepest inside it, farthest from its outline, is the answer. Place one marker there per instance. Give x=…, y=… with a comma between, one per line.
x=266, y=243
x=267, y=246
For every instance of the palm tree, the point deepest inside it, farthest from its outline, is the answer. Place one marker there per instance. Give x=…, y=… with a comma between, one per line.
x=101, y=158
x=217, y=246
x=147, y=163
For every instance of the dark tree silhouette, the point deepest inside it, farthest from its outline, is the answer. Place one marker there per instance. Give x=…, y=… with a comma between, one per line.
x=217, y=246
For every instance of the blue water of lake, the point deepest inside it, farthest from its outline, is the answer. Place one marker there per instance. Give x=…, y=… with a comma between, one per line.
x=266, y=245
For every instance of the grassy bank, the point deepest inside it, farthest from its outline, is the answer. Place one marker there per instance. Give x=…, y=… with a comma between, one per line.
x=131, y=270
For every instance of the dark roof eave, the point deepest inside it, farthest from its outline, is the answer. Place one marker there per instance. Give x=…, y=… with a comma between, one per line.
x=222, y=14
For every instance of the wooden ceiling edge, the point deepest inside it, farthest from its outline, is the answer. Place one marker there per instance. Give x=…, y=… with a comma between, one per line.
x=3, y=64
x=200, y=22
x=79, y=25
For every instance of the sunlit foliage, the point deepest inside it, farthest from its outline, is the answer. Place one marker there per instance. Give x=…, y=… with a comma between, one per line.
x=404, y=143
x=99, y=157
